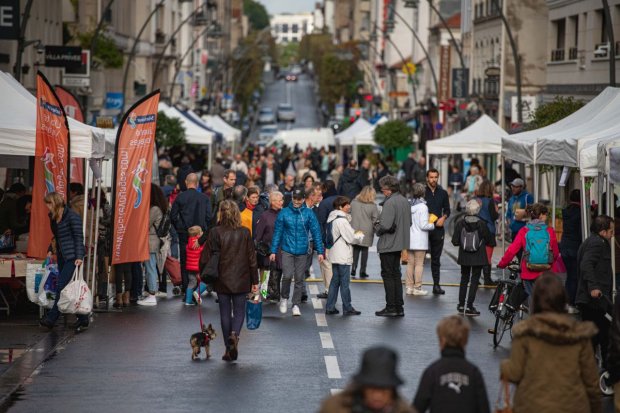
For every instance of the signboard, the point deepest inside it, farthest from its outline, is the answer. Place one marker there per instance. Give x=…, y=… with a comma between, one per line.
x=444, y=74
x=529, y=103
x=9, y=19
x=460, y=83
x=71, y=81
x=63, y=56
x=78, y=76
x=114, y=100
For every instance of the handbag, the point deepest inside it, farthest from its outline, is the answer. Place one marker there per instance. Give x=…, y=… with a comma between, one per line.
x=173, y=268
x=264, y=283
x=253, y=313
x=76, y=297
x=503, y=403
x=263, y=249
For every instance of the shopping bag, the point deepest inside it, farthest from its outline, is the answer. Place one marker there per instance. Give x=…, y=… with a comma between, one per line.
x=253, y=313
x=34, y=275
x=47, y=286
x=173, y=268
x=503, y=403
x=76, y=297
x=264, y=284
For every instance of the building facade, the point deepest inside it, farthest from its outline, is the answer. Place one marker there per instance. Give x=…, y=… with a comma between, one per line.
x=290, y=28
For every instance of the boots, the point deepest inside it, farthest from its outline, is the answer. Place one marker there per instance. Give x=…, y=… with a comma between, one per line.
x=126, y=299
x=486, y=272
x=118, y=302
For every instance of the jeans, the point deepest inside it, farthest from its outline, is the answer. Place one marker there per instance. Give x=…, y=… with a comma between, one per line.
x=232, y=314
x=435, y=239
x=469, y=273
x=152, y=275
x=528, y=286
x=356, y=253
x=572, y=277
x=390, y=272
x=415, y=268
x=183, y=238
x=66, y=269
x=340, y=280
x=293, y=267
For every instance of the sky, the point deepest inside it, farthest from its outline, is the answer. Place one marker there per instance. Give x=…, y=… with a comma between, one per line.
x=289, y=6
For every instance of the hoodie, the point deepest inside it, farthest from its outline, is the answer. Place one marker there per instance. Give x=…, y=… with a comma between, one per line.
x=344, y=235
x=420, y=225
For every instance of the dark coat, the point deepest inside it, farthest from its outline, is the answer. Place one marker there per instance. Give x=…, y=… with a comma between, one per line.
x=408, y=167
x=571, y=231
x=595, y=272
x=438, y=203
x=325, y=208
x=349, y=184
x=191, y=208
x=470, y=224
x=182, y=173
x=276, y=173
x=69, y=236
x=264, y=233
x=237, y=269
x=452, y=384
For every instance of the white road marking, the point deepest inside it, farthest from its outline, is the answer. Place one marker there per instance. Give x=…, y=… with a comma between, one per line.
x=333, y=370
x=317, y=303
x=313, y=289
x=320, y=320
x=326, y=339
x=334, y=392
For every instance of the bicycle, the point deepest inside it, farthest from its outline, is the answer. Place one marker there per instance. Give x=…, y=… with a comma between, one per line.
x=507, y=302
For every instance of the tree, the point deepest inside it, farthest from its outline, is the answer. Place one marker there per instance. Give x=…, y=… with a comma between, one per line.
x=170, y=132
x=552, y=112
x=257, y=14
x=288, y=53
x=393, y=134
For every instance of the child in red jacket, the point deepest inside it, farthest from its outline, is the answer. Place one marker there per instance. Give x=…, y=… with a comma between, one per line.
x=192, y=266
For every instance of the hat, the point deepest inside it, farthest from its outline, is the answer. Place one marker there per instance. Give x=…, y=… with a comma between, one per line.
x=378, y=368
x=517, y=182
x=299, y=193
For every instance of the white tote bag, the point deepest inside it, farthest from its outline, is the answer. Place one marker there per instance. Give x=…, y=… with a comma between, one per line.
x=76, y=297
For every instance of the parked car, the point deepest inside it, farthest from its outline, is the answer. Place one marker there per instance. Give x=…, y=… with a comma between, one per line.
x=286, y=113
x=266, y=132
x=265, y=115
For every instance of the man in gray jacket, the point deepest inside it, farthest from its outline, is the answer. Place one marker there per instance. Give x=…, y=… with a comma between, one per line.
x=393, y=231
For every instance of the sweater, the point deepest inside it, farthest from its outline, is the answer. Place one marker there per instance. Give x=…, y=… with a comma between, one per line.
x=193, y=255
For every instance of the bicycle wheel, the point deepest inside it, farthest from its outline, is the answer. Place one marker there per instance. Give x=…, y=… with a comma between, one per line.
x=503, y=322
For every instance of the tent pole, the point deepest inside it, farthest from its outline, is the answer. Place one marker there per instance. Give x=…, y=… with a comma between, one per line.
x=553, y=194
x=504, y=207
x=210, y=157
x=584, y=209
x=536, y=183
x=86, y=179
x=97, y=211
x=611, y=211
x=91, y=218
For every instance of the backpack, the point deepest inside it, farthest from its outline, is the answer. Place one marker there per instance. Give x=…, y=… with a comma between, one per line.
x=470, y=240
x=163, y=229
x=329, y=235
x=538, y=254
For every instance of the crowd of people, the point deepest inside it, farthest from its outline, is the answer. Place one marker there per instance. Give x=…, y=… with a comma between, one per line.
x=278, y=211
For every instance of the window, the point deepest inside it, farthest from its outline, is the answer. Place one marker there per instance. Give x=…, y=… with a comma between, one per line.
x=294, y=28
x=294, y=39
x=575, y=22
x=285, y=28
x=560, y=33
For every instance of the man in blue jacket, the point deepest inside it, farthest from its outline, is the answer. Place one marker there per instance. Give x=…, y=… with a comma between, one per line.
x=516, y=206
x=291, y=236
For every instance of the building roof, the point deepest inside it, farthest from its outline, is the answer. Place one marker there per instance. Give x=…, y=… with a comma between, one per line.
x=453, y=22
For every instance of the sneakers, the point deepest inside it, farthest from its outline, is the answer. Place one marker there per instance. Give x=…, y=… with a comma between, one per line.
x=161, y=294
x=296, y=311
x=572, y=310
x=460, y=308
x=363, y=275
x=322, y=295
x=471, y=311
x=332, y=312
x=352, y=311
x=283, y=305
x=304, y=299
x=419, y=291
x=437, y=290
x=150, y=300
x=353, y=273
x=197, y=297
x=409, y=291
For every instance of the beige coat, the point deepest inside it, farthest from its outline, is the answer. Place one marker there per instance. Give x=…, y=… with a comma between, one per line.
x=553, y=365
x=343, y=403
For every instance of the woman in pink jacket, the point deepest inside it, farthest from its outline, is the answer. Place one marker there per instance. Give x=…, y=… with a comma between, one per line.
x=538, y=218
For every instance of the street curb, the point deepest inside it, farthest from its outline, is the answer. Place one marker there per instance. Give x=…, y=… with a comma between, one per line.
x=23, y=368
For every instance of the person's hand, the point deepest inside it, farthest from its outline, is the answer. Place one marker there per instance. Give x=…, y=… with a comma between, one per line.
x=439, y=223
x=255, y=288
x=272, y=258
x=78, y=262
x=596, y=293
x=196, y=244
x=321, y=258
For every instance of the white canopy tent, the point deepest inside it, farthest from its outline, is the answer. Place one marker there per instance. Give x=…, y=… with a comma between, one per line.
x=482, y=136
x=230, y=134
x=194, y=134
x=360, y=132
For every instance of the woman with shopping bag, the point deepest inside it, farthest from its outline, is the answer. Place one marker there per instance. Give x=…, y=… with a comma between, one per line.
x=67, y=230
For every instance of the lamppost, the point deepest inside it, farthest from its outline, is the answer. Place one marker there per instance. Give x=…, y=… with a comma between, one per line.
x=22, y=43
x=612, y=44
x=134, y=48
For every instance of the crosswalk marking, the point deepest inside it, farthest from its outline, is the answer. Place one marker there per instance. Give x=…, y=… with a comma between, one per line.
x=313, y=289
x=326, y=340
x=321, y=321
x=317, y=303
x=333, y=370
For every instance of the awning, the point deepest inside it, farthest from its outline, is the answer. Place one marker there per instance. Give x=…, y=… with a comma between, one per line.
x=482, y=136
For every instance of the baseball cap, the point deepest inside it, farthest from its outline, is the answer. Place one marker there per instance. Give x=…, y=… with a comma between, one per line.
x=517, y=182
x=299, y=193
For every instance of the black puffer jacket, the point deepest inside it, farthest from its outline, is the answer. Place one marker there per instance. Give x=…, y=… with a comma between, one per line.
x=470, y=224
x=595, y=272
x=349, y=184
x=68, y=235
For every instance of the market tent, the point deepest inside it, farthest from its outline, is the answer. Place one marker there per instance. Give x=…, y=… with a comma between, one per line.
x=482, y=136
x=194, y=134
x=349, y=136
x=191, y=115
x=614, y=165
x=593, y=153
x=528, y=147
x=218, y=124
x=18, y=118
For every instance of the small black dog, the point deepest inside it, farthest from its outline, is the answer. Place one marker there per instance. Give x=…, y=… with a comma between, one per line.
x=202, y=339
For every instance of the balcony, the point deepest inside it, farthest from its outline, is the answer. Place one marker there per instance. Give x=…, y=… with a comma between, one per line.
x=160, y=37
x=557, y=55
x=572, y=53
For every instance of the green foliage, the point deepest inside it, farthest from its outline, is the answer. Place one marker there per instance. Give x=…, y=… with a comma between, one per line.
x=248, y=68
x=338, y=75
x=554, y=111
x=170, y=132
x=257, y=14
x=393, y=134
x=288, y=53
x=107, y=52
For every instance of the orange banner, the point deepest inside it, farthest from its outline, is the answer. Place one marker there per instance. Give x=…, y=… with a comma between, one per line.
x=73, y=109
x=51, y=169
x=133, y=159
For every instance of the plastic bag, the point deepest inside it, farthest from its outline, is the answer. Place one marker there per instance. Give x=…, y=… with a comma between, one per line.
x=47, y=286
x=76, y=297
x=253, y=313
x=264, y=285
x=34, y=275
